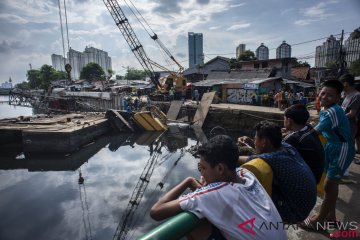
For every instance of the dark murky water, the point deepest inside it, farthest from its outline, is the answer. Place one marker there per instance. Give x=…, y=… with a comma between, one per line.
x=41, y=198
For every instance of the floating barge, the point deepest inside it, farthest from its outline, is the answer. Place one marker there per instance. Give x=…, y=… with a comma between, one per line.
x=65, y=133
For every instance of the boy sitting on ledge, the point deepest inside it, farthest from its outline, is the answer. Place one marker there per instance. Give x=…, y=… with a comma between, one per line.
x=233, y=201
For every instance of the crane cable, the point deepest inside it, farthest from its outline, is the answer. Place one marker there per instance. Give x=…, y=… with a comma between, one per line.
x=67, y=30
x=62, y=32
x=154, y=36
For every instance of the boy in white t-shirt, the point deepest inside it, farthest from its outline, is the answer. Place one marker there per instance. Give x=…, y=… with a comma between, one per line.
x=233, y=201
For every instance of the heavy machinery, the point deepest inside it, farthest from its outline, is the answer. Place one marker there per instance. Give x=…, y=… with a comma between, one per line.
x=174, y=80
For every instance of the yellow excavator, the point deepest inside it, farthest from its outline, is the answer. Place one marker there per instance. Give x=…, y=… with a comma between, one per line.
x=174, y=80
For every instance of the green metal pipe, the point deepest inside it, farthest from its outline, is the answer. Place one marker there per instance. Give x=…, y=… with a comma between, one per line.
x=174, y=228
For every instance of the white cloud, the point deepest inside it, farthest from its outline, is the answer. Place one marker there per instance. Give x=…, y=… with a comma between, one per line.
x=238, y=26
x=285, y=11
x=214, y=27
x=315, y=13
x=237, y=5
x=12, y=18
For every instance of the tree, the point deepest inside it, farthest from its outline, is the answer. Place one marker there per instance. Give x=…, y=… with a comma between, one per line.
x=332, y=65
x=135, y=74
x=47, y=75
x=110, y=73
x=296, y=63
x=247, y=56
x=119, y=77
x=42, y=78
x=33, y=76
x=92, y=71
x=23, y=86
x=355, y=68
x=234, y=64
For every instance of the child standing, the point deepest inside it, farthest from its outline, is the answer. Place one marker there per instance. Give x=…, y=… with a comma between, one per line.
x=339, y=150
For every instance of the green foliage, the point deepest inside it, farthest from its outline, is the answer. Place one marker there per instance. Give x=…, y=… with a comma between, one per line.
x=247, y=56
x=92, y=72
x=33, y=76
x=110, y=73
x=42, y=78
x=332, y=65
x=234, y=64
x=119, y=77
x=24, y=85
x=135, y=74
x=355, y=68
x=296, y=63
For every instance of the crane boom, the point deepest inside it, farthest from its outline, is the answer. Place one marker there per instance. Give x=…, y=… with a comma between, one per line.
x=175, y=81
x=126, y=30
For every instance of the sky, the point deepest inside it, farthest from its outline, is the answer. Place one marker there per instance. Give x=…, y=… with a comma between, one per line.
x=30, y=30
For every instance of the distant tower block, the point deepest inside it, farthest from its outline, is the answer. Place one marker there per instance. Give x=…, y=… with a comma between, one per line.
x=240, y=50
x=262, y=52
x=196, y=53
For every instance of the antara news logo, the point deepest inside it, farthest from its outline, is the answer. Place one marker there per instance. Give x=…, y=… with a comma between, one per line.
x=338, y=229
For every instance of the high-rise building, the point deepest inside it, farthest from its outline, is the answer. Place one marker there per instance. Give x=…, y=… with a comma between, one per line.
x=262, y=52
x=58, y=62
x=240, y=50
x=352, y=47
x=328, y=52
x=78, y=60
x=283, y=51
x=75, y=59
x=196, y=54
x=97, y=56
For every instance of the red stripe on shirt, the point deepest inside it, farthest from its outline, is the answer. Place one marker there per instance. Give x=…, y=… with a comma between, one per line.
x=205, y=191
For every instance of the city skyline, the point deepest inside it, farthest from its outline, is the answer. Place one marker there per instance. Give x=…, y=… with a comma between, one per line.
x=31, y=30
x=78, y=60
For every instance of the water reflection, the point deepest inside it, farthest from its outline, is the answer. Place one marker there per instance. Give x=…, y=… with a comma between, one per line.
x=41, y=196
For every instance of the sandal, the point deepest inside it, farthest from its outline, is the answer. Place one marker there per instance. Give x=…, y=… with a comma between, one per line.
x=308, y=224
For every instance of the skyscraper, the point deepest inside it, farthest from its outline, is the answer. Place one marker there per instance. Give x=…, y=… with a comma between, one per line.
x=262, y=52
x=283, y=51
x=196, y=54
x=58, y=62
x=78, y=60
x=328, y=52
x=352, y=47
x=240, y=50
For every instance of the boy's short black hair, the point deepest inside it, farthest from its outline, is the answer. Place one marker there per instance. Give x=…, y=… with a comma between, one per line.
x=337, y=85
x=271, y=131
x=349, y=78
x=298, y=113
x=220, y=149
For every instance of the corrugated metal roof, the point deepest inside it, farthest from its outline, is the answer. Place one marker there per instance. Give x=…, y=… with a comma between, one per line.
x=300, y=72
x=212, y=82
x=299, y=83
x=240, y=74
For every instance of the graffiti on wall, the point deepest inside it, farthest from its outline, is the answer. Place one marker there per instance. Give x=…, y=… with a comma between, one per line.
x=239, y=95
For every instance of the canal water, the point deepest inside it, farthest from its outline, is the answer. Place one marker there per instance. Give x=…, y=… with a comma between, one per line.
x=41, y=198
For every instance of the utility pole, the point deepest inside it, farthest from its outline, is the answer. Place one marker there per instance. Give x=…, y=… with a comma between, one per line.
x=127, y=78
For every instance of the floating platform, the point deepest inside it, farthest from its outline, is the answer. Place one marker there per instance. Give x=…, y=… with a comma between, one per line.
x=65, y=133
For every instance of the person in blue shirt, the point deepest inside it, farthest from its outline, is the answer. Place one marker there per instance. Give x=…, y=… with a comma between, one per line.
x=339, y=150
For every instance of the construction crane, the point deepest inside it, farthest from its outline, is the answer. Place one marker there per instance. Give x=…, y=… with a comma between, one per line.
x=138, y=192
x=175, y=80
